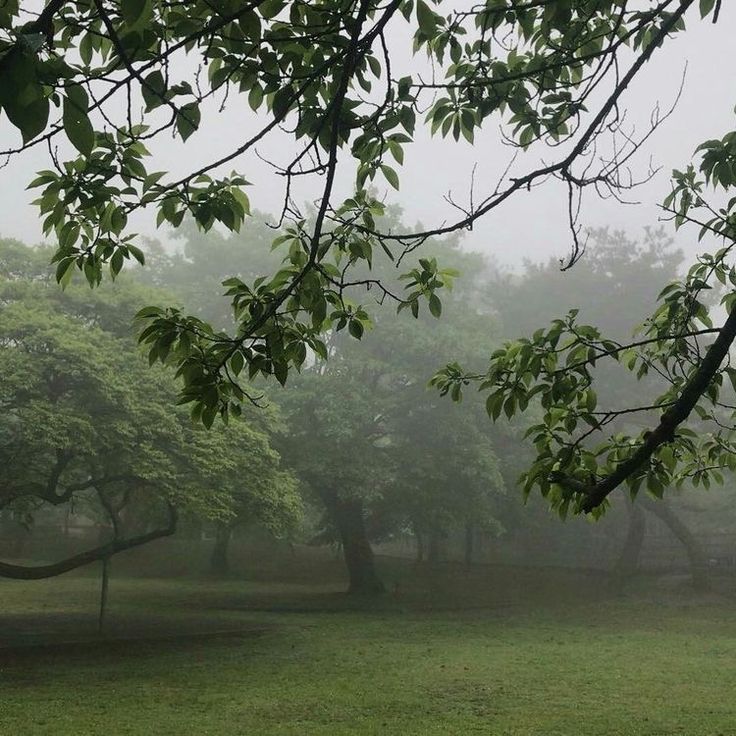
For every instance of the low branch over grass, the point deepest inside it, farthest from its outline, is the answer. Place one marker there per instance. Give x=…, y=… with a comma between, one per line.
x=105, y=551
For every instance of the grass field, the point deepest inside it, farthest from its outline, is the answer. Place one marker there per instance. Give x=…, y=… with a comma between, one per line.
x=234, y=657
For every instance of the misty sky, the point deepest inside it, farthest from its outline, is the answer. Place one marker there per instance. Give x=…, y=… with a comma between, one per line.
x=532, y=225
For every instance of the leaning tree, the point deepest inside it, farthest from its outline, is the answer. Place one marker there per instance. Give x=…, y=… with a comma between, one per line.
x=100, y=83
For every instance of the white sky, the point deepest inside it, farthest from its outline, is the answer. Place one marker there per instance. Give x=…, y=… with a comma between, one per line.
x=531, y=225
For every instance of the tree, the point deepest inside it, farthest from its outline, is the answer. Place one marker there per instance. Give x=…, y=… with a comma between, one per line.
x=380, y=452
x=448, y=470
x=192, y=274
x=335, y=445
x=82, y=413
x=360, y=426
x=449, y=477
x=72, y=421
x=249, y=471
x=103, y=80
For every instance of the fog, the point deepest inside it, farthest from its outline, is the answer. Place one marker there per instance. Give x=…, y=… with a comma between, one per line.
x=533, y=226
x=282, y=488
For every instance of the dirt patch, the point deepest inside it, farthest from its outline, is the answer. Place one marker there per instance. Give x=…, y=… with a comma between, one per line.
x=130, y=644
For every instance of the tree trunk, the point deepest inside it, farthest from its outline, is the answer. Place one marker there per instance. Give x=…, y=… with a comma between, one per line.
x=104, y=588
x=695, y=554
x=39, y=572
x=469, y=544
x=357, y=551
x=628, y=561
x=219, y=564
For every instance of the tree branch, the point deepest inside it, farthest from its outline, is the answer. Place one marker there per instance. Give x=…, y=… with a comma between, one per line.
x=671, y=419
x=22, y=572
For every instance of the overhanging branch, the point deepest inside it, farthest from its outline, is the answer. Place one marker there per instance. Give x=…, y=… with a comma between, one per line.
x=594, y=495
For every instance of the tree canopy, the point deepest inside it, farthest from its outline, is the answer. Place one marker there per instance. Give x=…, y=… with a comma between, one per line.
x=82, y=413
x=100, y=82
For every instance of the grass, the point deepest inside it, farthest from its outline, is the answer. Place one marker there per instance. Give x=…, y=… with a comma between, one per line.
x=234, y=658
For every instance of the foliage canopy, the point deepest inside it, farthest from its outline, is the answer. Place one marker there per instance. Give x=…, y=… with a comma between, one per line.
x=82, y=414
x=109, y=78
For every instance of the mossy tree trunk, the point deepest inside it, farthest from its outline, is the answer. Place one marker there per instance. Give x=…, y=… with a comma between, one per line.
x=349, y=518
x=628, y=561
x=219, y=561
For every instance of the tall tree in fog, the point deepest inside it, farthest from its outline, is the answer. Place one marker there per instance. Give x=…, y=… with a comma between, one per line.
x=379, y=451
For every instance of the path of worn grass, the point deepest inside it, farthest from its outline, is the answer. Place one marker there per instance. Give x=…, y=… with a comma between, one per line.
x=609, y=668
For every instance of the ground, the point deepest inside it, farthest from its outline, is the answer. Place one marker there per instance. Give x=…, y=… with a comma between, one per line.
x=195, y=656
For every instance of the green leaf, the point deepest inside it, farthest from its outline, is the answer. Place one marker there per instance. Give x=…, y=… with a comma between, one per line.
x=435, y=306
x=426, y=19
x=255, y=97
x=250, y=24
x=706, y=6
x=64, y=270
x=77, y=125
x=208, y=416
x=149, y=312
x=137, y=253
x=281, y=371
x=271, y=8
x=355, y=328
x=116, y=262
x=21, y=94
x=237, y=362
x=153, y=90
x=242, y=198
x=391, y=176
x=136, y=12
x=8, y=9
x=591, y=400
x=31, y=119
x=187, y=120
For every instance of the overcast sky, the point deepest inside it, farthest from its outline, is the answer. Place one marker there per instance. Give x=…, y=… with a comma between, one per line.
x=532, y=225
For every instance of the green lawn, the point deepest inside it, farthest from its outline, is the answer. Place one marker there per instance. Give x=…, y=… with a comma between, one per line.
x=255, y=658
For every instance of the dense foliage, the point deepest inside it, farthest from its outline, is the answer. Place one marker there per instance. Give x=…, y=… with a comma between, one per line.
x=106, y=79
x=377, y=453
x=83, y=414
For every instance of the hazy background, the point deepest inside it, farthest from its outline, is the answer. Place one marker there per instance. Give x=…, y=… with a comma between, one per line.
x=532, y=225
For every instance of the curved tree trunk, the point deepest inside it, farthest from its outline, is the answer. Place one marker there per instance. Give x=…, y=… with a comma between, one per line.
x=628, y=561
x=39, y=572
x=219, y=563
x=698, y=564
x=357, y=552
